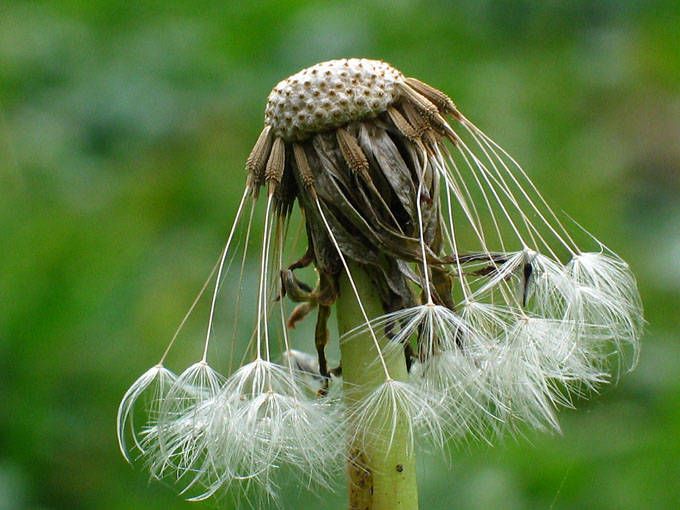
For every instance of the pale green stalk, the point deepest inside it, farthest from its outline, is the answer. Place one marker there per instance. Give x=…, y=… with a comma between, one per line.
x=381, y=469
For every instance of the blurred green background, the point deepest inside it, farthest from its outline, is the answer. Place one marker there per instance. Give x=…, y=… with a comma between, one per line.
x=124, y=127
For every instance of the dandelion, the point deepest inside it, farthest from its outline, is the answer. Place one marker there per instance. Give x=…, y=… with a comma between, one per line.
x=466, y=308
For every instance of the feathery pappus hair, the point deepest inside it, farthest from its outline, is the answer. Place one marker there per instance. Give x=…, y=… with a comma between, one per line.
x=500, y=316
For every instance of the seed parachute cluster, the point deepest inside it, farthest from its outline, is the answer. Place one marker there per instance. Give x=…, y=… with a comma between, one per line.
x=501, y=317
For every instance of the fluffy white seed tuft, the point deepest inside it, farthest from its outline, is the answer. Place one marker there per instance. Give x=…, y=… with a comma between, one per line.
x=397, y=408
x=607, y=298
x=180, y=443
x=463, y=396
x=214, y=434
x=279, y=421
x=155, y=384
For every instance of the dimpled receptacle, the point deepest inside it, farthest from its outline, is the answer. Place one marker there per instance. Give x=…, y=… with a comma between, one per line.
x=329, y=95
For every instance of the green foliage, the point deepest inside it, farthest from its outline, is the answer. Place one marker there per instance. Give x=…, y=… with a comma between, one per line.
x=124, y=128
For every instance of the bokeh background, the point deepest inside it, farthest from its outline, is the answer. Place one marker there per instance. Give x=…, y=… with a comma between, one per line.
x=124, y=127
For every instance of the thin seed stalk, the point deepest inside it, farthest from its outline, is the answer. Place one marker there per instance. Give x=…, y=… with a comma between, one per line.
x=381, y=468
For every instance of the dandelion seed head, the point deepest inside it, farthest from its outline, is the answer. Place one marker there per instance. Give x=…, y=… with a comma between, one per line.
x=484, y=316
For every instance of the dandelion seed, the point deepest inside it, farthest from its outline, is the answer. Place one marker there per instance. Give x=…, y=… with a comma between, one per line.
x=607, y=297
x=462, y=400
x=280, y=421
x=180, y=441
x=157, y=381
x=397, y=407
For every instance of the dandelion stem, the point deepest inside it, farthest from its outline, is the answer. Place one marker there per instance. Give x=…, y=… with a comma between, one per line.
x=381, y=467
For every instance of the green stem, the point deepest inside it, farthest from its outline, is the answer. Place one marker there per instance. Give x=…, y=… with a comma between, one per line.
x=382, y=471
